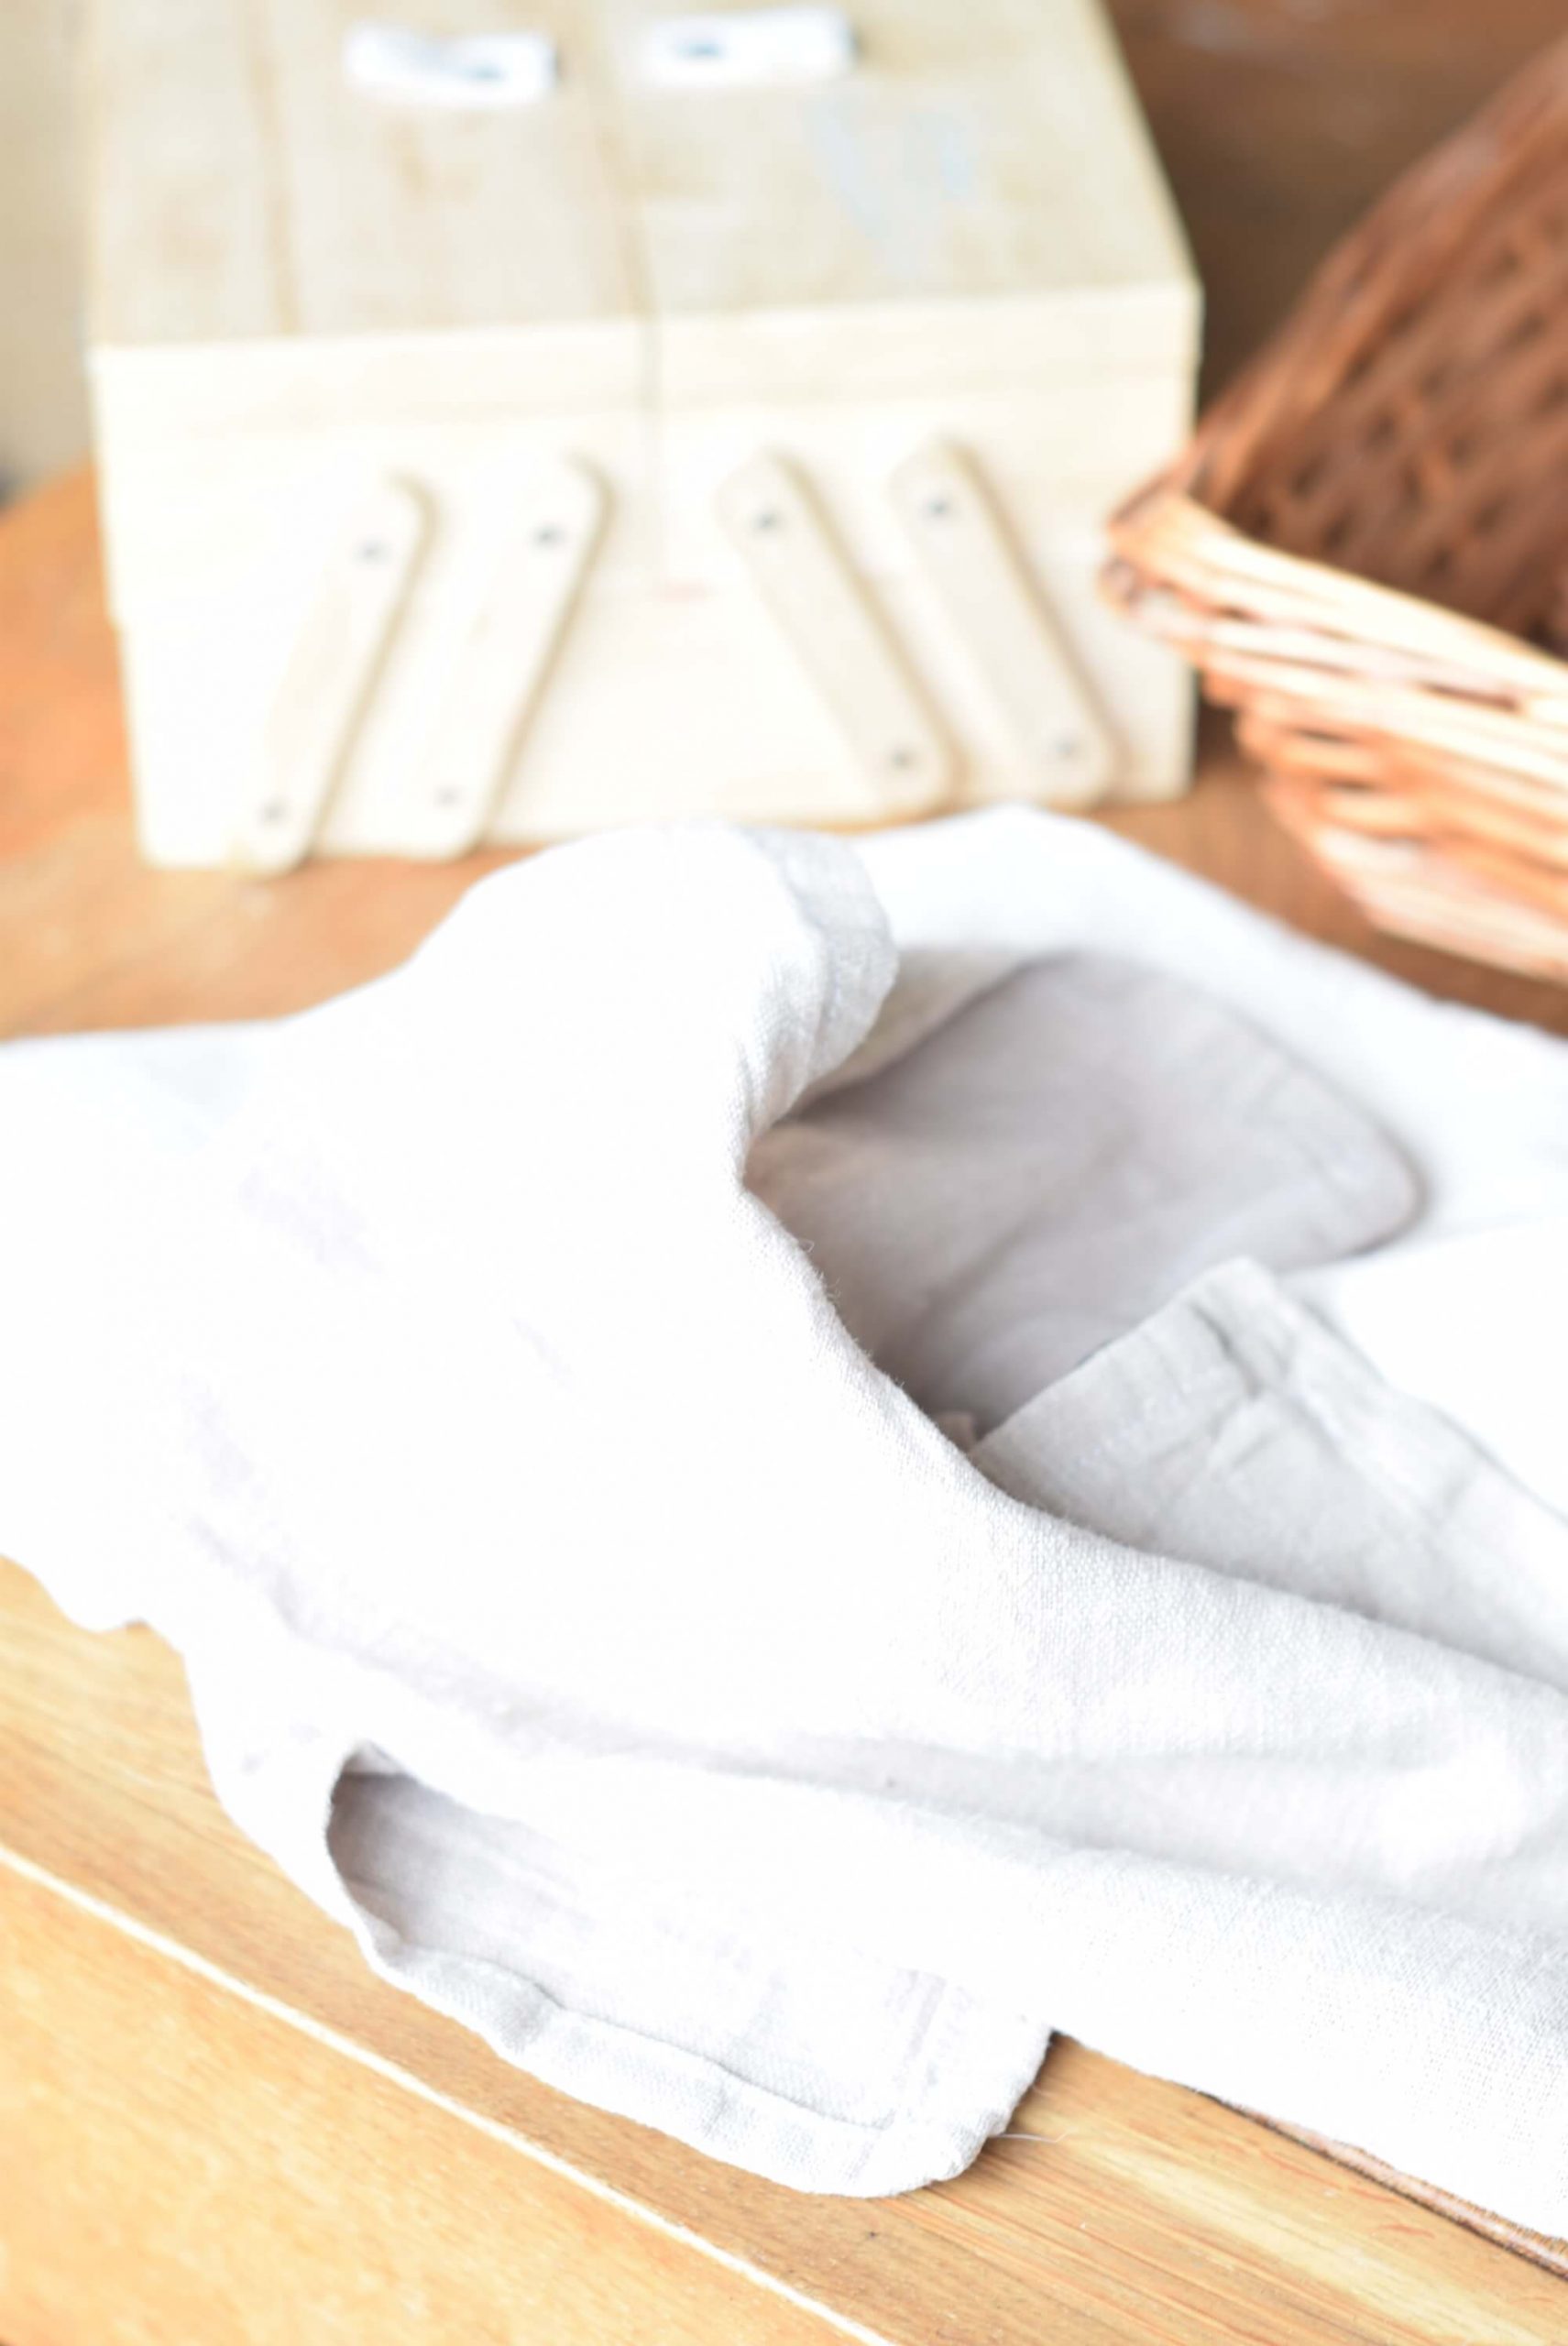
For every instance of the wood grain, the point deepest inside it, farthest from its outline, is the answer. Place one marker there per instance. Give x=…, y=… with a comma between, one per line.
x=972, y=159
x=303, y=302
x=242, y=189
x=177, y=2163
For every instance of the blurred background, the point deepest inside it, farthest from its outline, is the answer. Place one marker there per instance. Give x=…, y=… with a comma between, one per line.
x=1279, y=122
x=43, y=405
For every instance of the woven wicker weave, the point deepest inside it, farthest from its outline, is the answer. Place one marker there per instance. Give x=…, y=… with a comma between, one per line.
x=1365, y=547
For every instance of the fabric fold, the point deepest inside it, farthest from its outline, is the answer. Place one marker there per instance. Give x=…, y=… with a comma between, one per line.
x=577, y=1609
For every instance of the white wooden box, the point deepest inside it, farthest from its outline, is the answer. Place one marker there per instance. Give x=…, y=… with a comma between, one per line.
x=636, y=450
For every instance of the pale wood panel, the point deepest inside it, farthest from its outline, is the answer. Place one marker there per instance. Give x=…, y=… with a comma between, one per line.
x=991, y=165
x=974, y=153
x=240, y=188
x=186, y=236
x=1127, y=2208
x=403, y=219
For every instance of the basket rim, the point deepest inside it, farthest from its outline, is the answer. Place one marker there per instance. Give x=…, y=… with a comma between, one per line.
x=1166, y=537
x=1175, y=531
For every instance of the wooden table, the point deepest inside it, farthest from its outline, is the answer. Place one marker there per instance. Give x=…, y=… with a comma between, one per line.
x=215, y=2126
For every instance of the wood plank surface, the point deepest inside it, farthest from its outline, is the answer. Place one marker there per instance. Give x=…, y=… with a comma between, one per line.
x=180, y=2164
x=240, y=188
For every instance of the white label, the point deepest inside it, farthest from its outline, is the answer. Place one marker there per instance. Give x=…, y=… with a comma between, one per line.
x=749, y=47
x=472, y=73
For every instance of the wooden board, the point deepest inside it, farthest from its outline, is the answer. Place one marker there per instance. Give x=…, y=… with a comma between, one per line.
x=243, y=190
x=177, y=2163
x=303, y=300
x=977, y=200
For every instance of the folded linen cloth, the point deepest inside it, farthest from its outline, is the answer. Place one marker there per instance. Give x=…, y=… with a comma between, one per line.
x=1234, y=1429
x=1071, y=1143
x=576, y=1610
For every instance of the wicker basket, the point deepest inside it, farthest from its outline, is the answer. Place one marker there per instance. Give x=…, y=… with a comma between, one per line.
x=1364, y=548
